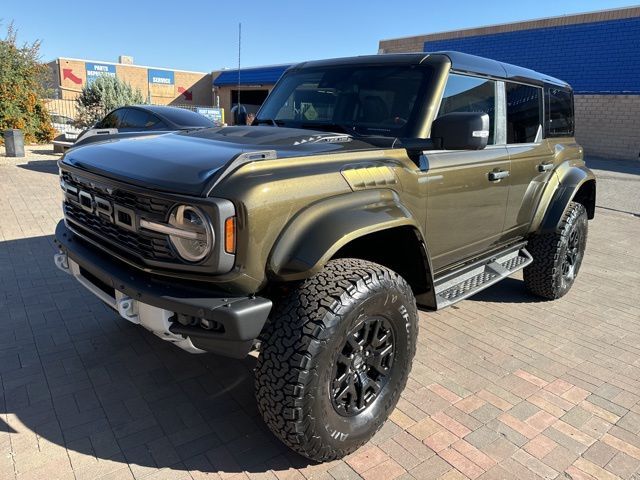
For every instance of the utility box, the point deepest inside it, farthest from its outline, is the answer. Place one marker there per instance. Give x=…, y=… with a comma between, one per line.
x=14, y=143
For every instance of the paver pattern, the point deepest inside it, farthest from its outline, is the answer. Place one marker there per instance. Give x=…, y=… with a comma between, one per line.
x=503, y=386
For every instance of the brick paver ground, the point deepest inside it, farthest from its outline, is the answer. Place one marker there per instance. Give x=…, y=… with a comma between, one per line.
x=503, y=386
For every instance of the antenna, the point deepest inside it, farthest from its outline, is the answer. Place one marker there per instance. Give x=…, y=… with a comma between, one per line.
x=239, y=111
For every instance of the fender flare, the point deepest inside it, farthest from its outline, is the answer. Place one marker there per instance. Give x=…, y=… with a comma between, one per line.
x=570, y=179
x=316, y=233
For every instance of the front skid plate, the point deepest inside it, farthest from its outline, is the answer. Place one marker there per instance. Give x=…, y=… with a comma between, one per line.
x=154, y=319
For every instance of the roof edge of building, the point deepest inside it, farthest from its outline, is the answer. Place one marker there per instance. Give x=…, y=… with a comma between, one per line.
x=544, y=22
x=128, y=65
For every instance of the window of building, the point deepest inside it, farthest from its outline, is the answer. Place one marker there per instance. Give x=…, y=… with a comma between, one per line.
x=470, y=94
x=559, y=113
x=524, y=113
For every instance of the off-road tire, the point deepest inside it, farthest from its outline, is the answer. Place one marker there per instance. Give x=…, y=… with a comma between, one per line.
x=544, y=276
x=301, y=342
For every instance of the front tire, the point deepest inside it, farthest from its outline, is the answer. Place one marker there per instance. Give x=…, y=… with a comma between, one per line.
x=335, y=357
x=557, y=256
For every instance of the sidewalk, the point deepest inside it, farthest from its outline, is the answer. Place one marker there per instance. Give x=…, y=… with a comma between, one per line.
x=503, y=386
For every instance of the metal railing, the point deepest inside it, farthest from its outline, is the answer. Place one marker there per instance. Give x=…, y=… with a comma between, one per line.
x=67, y=109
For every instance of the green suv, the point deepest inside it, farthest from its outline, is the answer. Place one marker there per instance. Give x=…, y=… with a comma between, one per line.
x=365, y=187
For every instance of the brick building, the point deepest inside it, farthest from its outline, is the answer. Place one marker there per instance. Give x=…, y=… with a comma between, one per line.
x=160, y=86
x=597, y=53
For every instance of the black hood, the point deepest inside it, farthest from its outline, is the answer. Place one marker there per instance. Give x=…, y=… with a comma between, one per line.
x=185, y=162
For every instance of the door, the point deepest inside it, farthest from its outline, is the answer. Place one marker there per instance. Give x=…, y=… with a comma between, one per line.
x=532, y=159
x=466, y=190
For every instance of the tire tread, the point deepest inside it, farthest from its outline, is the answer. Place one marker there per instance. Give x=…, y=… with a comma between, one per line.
x=300, y=326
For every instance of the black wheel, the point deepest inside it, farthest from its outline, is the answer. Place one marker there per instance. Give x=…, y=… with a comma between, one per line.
x=335, y=357
x=557, y=256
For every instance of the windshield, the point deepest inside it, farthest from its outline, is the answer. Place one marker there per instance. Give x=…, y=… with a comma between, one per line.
x=365, y=100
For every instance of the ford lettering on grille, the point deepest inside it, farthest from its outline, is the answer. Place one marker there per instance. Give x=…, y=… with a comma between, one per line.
x=103, y=208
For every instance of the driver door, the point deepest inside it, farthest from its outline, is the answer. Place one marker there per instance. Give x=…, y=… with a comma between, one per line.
x=467, y=191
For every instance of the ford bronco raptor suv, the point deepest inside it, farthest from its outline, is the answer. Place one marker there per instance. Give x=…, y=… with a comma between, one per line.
x=365, y=186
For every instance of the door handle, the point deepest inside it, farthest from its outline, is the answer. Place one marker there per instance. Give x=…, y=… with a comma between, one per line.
x=545, y=167
x=499, y=175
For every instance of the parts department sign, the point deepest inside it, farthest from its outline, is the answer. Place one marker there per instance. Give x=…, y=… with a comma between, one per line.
x=95, y=70
x=161, y=83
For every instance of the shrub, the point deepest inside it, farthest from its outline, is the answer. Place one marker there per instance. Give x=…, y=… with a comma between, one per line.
x=101, y=96
x=22, y=77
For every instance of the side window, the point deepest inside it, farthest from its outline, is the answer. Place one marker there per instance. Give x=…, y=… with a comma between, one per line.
x=140, y=120
x=559, y=113
x=113, y=120
x=524, y=113
x=470, y=94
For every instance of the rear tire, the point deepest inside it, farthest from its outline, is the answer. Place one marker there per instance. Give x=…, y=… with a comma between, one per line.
x=335, y=357
x=557, y=256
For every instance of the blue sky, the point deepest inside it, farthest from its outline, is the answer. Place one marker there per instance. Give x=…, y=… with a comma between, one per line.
x=202, y=35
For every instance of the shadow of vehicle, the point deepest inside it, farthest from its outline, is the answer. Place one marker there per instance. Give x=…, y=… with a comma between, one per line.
x=76, y=374
x=509, y=290
x=42, y=166
x=630, y=167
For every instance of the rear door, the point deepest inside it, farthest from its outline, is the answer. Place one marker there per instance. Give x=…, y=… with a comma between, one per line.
x=532, y=159
x=466, y=200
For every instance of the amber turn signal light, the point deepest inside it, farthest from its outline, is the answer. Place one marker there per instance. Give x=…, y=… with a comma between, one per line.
x=230, y=235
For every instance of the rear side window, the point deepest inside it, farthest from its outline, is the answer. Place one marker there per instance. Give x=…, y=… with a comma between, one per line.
x=141, y=120
x=186, y=118
x=470, y=94
x=524, y=113
x=560, y=119
x=113, y=120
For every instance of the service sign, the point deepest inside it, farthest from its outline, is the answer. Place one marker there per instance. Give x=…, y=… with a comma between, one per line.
x=215, y=114
x=95, y=70
x=161, y=83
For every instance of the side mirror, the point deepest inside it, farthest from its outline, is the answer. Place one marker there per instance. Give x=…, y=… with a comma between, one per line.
x=461, y=131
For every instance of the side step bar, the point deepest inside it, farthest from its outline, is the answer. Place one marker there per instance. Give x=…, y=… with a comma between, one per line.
x=471, y=279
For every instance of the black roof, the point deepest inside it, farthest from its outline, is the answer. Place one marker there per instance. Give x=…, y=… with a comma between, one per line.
x=462, y=62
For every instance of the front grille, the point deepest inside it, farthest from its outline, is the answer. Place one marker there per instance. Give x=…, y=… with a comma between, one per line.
x=153, y=208
x=137, y=245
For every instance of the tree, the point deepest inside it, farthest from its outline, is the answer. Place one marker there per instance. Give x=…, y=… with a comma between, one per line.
x=103, y=95
x=22, y=77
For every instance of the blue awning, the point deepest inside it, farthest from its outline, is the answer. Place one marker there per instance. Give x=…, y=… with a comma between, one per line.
x=251, y=76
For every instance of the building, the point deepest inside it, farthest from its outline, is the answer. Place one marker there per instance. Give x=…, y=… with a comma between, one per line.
x=597, y=53
x=253, y=84
x=160, y=86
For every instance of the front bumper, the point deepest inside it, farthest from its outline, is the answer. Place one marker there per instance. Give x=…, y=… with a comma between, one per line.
x=155, y=302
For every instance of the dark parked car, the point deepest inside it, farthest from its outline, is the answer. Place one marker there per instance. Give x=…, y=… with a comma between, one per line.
x=140, y=120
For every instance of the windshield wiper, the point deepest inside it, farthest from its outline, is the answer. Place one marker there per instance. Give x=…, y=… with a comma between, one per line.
x=269, y=121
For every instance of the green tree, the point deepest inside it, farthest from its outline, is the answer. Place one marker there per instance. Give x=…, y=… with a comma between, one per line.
x=22, y=77
x=103, y=95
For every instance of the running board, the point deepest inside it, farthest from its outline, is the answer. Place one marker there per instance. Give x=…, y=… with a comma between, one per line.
x=471, y=279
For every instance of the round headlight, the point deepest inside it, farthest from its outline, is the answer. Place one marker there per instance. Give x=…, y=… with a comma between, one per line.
x=193, y=236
